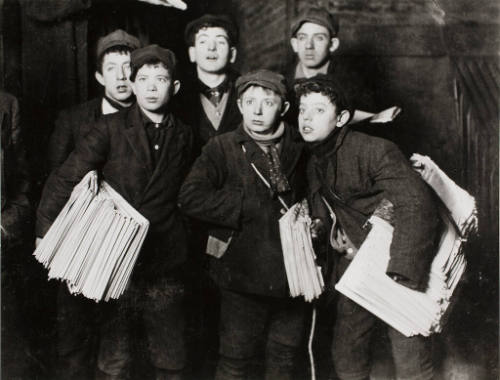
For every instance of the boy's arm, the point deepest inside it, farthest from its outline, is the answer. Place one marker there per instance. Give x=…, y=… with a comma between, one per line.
x=415, y=216
x=61, y=142
x=205, y=194
x=89, y=154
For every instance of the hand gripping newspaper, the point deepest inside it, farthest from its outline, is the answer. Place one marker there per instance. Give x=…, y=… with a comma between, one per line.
x=409, y=311
x=94, y=242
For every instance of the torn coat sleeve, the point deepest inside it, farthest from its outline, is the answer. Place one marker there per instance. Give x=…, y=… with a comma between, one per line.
x=415, y=215
x=206, y=194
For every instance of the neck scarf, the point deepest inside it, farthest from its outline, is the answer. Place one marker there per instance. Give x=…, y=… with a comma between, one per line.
x=278, y=180
x=214, y=94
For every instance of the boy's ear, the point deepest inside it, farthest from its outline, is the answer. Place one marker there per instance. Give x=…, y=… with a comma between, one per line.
x=240, y=107
x=177, y=86
x=284, y=108
x=294, y=43
x=232, y=54
x=342, y=118
x=99, y=78
x=192, y=54
x=334, y=44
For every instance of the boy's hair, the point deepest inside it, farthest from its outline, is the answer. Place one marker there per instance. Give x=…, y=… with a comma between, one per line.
x=149, y=62
x=153, y=55
x=325, y=85
x=211, y=21
x=316, y=15
x=121, y=49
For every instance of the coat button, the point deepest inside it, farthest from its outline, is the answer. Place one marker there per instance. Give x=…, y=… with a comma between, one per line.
x=157, y=147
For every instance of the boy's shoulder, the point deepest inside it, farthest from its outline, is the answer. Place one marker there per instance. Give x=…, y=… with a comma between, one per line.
x=89, y=108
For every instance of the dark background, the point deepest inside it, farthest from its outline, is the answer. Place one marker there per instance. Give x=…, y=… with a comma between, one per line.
x=437, y=59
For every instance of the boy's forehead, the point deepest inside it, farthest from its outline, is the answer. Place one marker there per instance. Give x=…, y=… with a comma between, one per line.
x=315, y=97
x=312, y=28
x=212, y=31
x=116, y=56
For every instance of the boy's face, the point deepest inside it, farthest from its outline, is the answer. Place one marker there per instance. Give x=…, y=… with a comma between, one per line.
x=313, y=44
x=261, y=109
x=318, y=117
x=212, y=52
x=114, y=76
x=153, y=87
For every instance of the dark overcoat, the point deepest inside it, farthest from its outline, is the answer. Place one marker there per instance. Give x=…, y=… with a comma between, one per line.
x=223, y=190
x=15, y=177
x=118, y=148
x=72, y=124
x=361, y=171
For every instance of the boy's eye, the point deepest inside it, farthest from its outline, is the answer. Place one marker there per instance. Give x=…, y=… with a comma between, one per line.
x=268, y=103
x=249, y=102
x=301, y=37
x=141, y=79
x=222, y=41
x=320, y=110
x=319, y=38
x=301, y=110
x=162, y=79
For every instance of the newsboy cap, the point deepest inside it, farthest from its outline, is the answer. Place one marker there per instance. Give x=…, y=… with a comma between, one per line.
x=319, y=16
x=117, y=38
x=263, y=78
x=150, y=53
x=209, y=20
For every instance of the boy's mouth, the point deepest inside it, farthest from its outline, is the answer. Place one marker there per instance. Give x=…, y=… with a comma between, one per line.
x=212, y=58
x=258, y=122
x=306, y=129
x=121, y=88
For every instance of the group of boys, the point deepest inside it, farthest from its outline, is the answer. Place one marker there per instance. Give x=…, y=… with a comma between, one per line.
x=231, y=169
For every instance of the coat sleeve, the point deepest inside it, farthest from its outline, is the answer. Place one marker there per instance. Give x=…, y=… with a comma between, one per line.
x=205, y=194
x=415, y=215
x=61, y=142
x=16, y=208
x=89, y=154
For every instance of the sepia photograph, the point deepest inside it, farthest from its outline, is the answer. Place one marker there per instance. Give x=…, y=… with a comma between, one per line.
x=252, y=189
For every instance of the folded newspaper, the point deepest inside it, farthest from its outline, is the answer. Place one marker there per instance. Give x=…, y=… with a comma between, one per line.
x=304, y=276
x=409, y=311
x=94, y=242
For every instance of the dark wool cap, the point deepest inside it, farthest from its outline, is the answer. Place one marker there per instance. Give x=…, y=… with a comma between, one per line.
x=117, y=38
x=318, y=16
x=151, y=53
x=221, y=21
x=263, y=78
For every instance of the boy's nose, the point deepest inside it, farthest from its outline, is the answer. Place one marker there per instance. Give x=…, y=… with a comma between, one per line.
x=257, y=109
x=309, y=43
x=151, y=86
x=121, y=74
x=211, y=45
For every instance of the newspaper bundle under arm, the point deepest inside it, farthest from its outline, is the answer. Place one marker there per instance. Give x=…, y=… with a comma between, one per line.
x=94, y=242
x=304, y=276
x=409, y=311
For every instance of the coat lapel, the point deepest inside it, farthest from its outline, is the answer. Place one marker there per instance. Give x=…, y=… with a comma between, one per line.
x=136, y=136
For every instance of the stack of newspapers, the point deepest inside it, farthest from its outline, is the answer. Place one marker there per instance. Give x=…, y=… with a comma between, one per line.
x=409, y=311
x=94, y=242
x=304, y=276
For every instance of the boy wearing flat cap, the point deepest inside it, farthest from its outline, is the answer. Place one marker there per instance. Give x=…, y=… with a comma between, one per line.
x=314, y=39
x=234, y=186
x=208, y=98
x=143, y=152
x=353, y=172
x=112, y=71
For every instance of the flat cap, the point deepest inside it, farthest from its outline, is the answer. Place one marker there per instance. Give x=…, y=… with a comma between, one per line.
x=209, y=20
x=263, y=78
x=117, y=38
x=151, y=53
x=319, y=16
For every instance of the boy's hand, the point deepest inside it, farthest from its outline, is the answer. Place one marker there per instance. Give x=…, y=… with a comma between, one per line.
x=317, y=228
x=386, y=115
x=168, y=3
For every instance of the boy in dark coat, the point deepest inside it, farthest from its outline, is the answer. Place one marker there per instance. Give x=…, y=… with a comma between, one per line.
x=225, y=190
x=208, y=98
x=112, y=72
x=354, y=172
x=144, y=153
